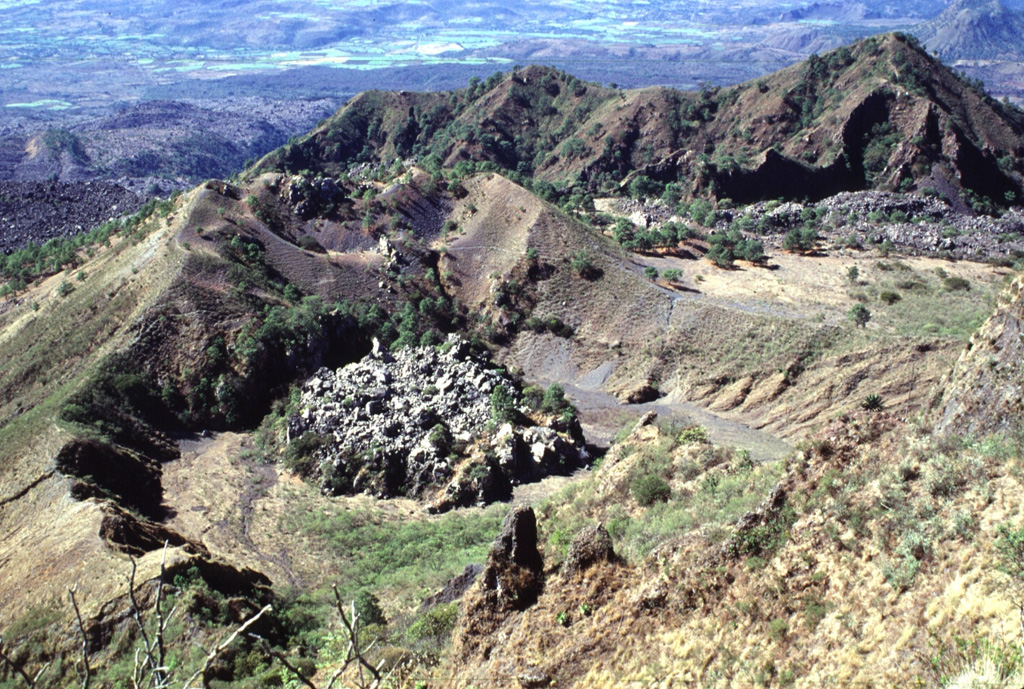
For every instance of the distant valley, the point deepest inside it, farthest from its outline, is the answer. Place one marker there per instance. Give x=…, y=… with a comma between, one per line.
x=160, y=97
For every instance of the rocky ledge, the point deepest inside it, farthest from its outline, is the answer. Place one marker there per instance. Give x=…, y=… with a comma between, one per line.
x=420, y=423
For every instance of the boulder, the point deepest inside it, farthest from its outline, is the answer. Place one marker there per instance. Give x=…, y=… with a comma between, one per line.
x=591, y=546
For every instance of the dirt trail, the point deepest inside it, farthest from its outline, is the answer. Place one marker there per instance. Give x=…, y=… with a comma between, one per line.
x=602, y=415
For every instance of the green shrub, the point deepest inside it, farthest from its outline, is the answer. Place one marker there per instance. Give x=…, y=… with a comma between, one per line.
x=582, y=263
x=1010, y=546
x=554, y=399
x=694, y=434
x=859, y=314
x=299, y=455
x=368, y=609
x=436, y=624
x=800, y=239
x=900, y=572
x=648, y=489
x=651, y=273
x=441, y=438
x=872, y=402
x=778, y=629
x=889, y=297
x=721, y=255
x=533, y=396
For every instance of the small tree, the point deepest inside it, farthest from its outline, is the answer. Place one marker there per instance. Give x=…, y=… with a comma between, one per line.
x=720, y=254
x=554, y=398
x=751, y=250
x=800, y=239
x=852, y=273
x=503, y=406
x=859, y=314
x=582, y=263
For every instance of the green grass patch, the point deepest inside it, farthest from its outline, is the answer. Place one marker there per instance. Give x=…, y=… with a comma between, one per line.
x=410, y=558
x=670, y=493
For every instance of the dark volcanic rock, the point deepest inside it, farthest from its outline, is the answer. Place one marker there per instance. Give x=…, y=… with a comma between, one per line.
x=984, y=393
x=591, y=546
x=453, y=589
x=39, y=211
x=513, y=576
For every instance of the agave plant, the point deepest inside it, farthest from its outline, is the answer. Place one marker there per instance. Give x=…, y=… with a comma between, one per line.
x=872, y=402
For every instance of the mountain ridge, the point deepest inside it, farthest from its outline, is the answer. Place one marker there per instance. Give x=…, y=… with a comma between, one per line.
x=714, y=143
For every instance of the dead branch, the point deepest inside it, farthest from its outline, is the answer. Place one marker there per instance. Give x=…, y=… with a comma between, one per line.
x=284, y=661
x=148, y=654
x=355, y=653
x=161, y=619
x=86, y=672
x=204, y=671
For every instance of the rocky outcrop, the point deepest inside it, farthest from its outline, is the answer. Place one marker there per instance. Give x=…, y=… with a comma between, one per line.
x=985, y=391
x=914, y=223
x=410, y=422
x=129, y=534
x=310, y=198
x=513, y=576
x=102, y=470
x=454, y=589
x=511, y=581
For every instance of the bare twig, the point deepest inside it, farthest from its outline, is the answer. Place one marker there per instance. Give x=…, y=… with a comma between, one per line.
x=354, y=651
x=39, y=674
x=137, y=616
x=161, y=619
x=86, y=672
x=203, y=672
x=335, y=676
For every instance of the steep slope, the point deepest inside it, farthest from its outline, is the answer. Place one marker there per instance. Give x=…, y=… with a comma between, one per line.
x=879, y=114
x=983, y=394
x=974, y=30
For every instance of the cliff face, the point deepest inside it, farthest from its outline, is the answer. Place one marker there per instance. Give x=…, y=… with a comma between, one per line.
x=983, y=393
